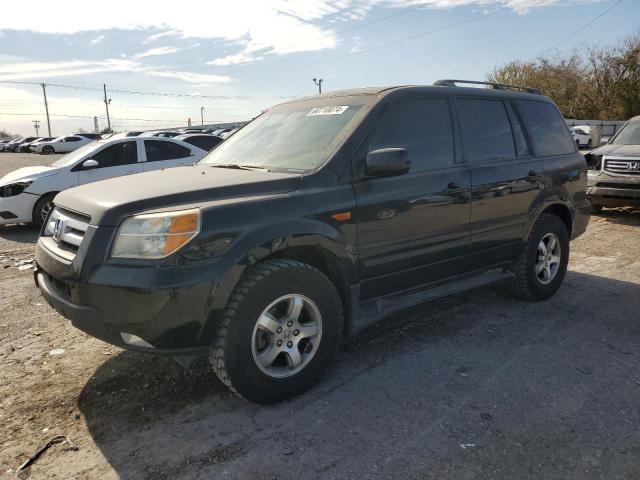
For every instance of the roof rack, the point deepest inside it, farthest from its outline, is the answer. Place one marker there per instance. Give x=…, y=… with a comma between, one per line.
x=494, y=85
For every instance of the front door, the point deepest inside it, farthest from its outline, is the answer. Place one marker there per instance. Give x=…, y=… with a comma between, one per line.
x=413, y=229
x=113, y=161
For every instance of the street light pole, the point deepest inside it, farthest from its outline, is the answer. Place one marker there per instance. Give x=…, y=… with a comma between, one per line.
x=202, y=116
x=36, y=124
x=318, y=82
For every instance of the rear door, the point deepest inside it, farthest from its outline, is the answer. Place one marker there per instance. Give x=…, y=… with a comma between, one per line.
x=113, y=161
x=506, y=178
x=413, y=229
x=165, y=154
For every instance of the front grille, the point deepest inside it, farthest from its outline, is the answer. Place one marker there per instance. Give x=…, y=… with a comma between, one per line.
x=66, y=228
x=622, y=166
x=624, y=186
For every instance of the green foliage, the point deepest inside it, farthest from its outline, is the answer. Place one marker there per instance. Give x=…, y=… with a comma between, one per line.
x=604, y=83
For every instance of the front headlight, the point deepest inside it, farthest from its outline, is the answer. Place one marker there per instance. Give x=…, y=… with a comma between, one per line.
x=156, y=235
x=14, y=189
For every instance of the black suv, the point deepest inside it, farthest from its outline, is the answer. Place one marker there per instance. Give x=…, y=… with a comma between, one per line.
x=318, y=218
x=614, y=169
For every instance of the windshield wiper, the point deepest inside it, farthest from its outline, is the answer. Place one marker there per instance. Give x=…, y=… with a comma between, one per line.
x=240, y=167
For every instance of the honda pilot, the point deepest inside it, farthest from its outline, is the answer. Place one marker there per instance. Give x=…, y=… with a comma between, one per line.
x=317, y=219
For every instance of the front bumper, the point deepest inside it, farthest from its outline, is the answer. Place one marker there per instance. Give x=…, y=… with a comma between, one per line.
x=17, y=209
x=613, y=190
x=144, y=309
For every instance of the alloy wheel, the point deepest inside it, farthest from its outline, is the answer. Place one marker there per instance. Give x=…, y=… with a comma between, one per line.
x=548, y=258
x=286, y=336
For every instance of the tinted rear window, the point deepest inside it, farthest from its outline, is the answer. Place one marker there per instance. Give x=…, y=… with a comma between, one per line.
x=547, y=129
x=487, y=129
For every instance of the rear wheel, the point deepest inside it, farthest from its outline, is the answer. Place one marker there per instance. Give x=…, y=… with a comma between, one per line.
x=42, y=209
x=48, y=150
x=542, y=265
x=280, y=331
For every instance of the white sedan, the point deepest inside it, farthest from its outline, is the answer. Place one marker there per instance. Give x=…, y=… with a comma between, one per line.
x=26, y=194
x=60, y=144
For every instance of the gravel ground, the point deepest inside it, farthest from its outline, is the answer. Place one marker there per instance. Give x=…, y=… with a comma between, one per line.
x=474, y=386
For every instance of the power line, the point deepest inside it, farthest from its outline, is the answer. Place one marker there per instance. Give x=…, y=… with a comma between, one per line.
x=399, y=40
x=590, y=22
x=140, y=92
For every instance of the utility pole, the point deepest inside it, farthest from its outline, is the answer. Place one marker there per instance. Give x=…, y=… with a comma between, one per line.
x=107, y=101
x=46, y=106
x=318, y=82
x=36, y=123
x=202, y=116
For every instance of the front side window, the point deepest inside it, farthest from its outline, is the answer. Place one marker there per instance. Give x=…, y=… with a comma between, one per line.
x=295, y=137
x=158, y=150
x=547, y=129
x=629, y=135
x=71, y=139
x=124, y=153
x=423, y=127
x=486, y=128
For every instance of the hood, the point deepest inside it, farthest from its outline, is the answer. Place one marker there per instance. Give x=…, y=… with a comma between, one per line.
x=28, y=173
x=108, y=201
x=617, y=150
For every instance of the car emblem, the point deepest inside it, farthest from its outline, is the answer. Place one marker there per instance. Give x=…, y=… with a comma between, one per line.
x=58, y=228
x=634, y=167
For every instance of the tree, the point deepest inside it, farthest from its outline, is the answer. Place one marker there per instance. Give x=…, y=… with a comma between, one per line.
x=5, y=134
x=602, y=84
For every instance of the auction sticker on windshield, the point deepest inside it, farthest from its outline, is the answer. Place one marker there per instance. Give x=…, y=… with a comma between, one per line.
x=334, y=110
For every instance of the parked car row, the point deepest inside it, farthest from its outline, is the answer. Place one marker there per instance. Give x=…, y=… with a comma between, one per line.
x=205, y=139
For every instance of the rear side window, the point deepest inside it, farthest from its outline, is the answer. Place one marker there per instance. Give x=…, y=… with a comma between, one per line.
x=158, y=150
x=424, y=128
x=123, y=153
x=204, y=142
x=547, y=129
x=487, y=130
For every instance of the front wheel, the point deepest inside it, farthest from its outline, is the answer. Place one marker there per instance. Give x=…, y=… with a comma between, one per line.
x=48, y=150
x=280, y=331
x=542, y=265
x=42, y=209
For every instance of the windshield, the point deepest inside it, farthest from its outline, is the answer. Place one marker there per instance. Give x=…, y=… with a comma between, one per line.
x=296, y=137
x=629, y=135
x=76, y=155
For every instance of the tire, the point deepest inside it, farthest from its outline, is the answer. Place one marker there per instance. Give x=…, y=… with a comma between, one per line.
x=596, y=208
x=236, y=352
x=589, y=143
x=48, y=150
x=42, y=208
x=530, y=284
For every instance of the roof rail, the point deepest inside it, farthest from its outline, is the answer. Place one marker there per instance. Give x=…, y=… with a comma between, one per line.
x=494, y=85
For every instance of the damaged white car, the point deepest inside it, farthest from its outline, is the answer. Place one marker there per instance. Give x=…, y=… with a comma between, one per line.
x=26, y=195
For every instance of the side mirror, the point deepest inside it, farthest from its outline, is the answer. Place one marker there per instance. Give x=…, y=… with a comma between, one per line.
x=89, y=164
x=387, y=162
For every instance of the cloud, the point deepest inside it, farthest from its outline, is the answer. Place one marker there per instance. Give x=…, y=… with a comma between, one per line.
x=96, y=40
x=236, y=59
x=22, y=70
x=191, y=77
x=154, y=52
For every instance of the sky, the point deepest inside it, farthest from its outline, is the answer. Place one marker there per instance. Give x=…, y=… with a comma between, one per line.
x=161, y=63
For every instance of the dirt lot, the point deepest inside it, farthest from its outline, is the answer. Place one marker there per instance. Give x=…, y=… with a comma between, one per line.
x=475, y=386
